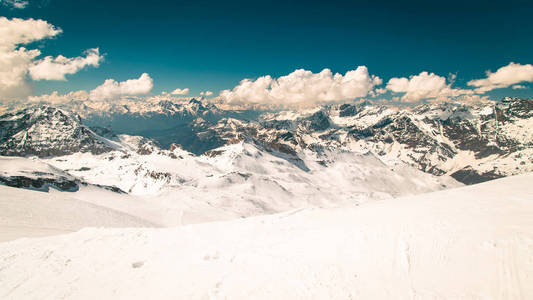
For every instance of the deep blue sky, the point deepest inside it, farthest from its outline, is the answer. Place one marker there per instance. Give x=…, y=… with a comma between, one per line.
x=212, y=45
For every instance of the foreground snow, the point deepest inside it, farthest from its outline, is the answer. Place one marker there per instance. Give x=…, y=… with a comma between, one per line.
x=474, y=242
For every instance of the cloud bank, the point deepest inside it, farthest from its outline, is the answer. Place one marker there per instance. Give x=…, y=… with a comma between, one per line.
x=111, y=89
x=504, y=77
x=303, y=87
x=425, y=86
x=20, y=66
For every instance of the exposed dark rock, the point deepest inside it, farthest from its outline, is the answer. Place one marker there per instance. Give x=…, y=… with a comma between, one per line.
x=214, y=153
x=60, y=183
x=470, y=176
x=347, y=110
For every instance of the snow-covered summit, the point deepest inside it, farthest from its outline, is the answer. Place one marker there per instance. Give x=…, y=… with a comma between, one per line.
x=48, y=131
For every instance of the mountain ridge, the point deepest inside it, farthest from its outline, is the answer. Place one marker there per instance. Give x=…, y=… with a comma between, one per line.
x=470, y=142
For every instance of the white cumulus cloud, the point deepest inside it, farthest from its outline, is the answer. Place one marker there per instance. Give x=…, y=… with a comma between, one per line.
x=16, y=31
x=178, y=91
x=504, y=77
x=424, y=86
x=13, y=69
x=302, y=88
x=17, y=61
x=519, y=87
x=111, y=89
x=50, y=68
x=206, y=93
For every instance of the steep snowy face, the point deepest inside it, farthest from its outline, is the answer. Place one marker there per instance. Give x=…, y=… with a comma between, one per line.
x=47, y=131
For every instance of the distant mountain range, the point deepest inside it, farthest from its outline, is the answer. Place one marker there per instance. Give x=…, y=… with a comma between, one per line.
x=470, y=142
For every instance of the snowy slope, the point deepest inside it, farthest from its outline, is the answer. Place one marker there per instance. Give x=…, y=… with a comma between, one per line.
x=474, y=242
x=244, y=165
x=169, y=188
x=26, y=213
x=243, y=180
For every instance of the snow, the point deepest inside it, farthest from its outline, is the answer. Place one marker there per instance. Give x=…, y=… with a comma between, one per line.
x=473, y=242
x=520, y=130
x=28, y=167
x=26, y=213
x=365, y=118
x=245, y=181
x=242, y=181
x=290, y=114
x=487, y=110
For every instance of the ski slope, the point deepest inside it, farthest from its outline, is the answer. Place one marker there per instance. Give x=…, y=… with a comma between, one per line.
x=473, y=242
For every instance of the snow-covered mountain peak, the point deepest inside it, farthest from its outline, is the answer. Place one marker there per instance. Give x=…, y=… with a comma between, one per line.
x=48, y=131
x=472, y=142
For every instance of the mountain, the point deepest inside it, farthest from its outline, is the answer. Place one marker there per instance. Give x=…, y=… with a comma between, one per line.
x=174, y=187
x=473, y=242
x=363, y=178
x=164, y=121
x=472, y=143
x=152, y=119
x=245, y=176
x=47, y=131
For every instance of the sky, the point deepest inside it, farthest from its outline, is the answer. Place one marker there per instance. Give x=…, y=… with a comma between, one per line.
x=429, y=50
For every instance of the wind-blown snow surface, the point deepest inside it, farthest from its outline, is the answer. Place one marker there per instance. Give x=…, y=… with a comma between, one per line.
x=473, y=242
